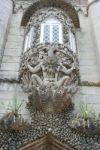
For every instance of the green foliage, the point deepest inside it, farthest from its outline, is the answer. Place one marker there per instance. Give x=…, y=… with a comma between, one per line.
x=13, y=106
x=16, y=105
x=85, y=110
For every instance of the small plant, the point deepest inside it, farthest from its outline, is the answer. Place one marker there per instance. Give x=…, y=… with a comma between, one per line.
x=16, y=106
x=85, y=110
x=87, y=121
x=13, y=116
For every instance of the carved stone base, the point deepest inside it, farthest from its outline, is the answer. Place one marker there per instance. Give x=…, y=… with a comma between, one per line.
x=47, y=100
x=51, y=79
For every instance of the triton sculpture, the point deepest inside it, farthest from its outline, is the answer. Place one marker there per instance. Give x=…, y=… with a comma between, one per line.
x=51, y=81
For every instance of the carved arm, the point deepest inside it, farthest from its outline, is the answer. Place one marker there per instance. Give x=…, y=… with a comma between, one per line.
x=67, y=71
x=35, y=69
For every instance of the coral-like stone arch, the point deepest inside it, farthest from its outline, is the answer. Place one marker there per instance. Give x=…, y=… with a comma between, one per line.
x=67, y=7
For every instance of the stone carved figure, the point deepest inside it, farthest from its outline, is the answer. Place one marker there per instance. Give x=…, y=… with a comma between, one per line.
x=50, y=69
x=49, y=72
x=52, y=80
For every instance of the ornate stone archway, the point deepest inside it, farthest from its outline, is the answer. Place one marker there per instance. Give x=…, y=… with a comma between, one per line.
x=68, y=8
x=51, y=86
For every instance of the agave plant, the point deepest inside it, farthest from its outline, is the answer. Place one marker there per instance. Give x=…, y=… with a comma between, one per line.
x=13, y=115
x=16, y=106
x=85, y=110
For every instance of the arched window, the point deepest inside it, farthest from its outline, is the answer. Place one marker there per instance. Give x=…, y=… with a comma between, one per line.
x=51, y=31
x=28, y=39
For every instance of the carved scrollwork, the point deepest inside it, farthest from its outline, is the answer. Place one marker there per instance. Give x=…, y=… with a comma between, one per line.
x=43, y=14
x=52, y=73
x=49, y=72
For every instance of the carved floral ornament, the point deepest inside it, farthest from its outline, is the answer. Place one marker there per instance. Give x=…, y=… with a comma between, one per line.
x=65, y=6
x=43, y=14
x=49, y=71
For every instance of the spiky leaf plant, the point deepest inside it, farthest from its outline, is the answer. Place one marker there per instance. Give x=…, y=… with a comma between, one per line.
x=85, y=110
x=13, y=115
x=16, y=106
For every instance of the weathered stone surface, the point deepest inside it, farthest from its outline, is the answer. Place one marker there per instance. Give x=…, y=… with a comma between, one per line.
x=7, y=87
x=17, y=45
x=89, y=90
x=12, y=52
x=5, y=16
x=9, y=59
x=87, y=41
x=86, y=52
x=89, y=95
x=9, y=75
x=10, y=66
x=15, y=38
x=94, y=17
x=67, y=7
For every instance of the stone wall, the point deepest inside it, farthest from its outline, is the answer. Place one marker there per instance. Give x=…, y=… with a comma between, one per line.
x=5, y=16
x=13, y=49
x=89, y=58
x=11, y=61
x=93, y=12
x=7, y=92
x=86, y=52
x=89, y=68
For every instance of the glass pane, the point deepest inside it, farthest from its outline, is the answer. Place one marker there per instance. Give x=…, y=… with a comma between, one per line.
x=46, y=34
x=55, y=33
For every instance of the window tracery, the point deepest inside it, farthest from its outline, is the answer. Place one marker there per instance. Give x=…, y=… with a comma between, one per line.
x=52, y=27
x=51, y=31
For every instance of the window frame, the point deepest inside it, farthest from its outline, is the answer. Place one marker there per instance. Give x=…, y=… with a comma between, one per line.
x=60, y=41
x=28, y=39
